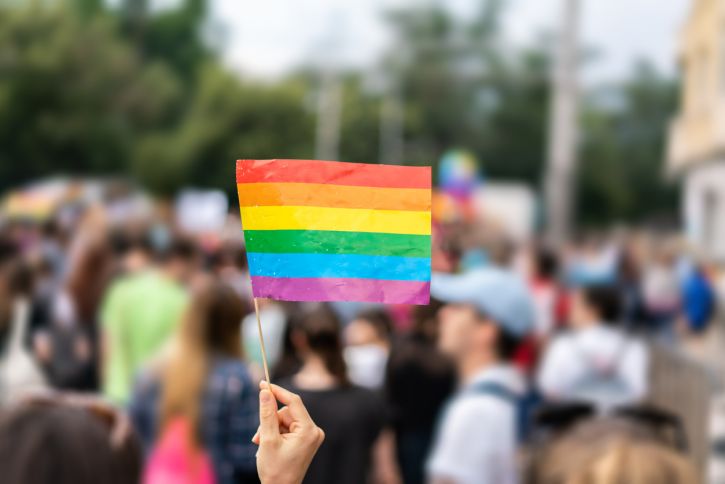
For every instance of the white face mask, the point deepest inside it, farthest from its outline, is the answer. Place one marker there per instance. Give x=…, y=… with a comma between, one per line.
x=366, y=365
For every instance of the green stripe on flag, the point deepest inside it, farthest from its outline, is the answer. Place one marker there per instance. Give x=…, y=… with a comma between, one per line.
x=333, y=242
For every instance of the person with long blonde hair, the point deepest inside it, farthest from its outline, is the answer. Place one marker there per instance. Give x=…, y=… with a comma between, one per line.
x=204, y=385
x=610, y=451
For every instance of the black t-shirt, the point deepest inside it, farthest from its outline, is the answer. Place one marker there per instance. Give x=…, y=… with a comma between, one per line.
x=352, y=418
x=418, y=382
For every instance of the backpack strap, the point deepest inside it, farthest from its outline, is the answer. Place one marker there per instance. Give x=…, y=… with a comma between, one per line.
x=495, y=390
x=523, y=405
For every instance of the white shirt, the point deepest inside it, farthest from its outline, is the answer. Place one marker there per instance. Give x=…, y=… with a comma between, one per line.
x=274, y=323
x=544, y=296
x=476, y=440
x=600, y=364
x=661, y=288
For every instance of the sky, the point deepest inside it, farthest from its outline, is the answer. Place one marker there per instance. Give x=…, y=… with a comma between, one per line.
x=271, y=37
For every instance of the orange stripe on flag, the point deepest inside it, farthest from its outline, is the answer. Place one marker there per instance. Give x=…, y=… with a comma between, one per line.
x=342, y=196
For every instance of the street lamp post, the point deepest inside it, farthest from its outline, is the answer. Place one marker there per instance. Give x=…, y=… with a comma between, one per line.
x=563, y=134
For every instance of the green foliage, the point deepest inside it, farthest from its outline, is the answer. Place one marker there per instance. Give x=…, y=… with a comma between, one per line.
x=226, y=120
x=73, y=95
x=360, y=126
x=462, y=91
x=172, y=36
x=462, y=88
x=621, y=169
x=91, y=90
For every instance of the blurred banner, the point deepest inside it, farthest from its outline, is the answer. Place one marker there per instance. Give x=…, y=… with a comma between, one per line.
x=199, y=211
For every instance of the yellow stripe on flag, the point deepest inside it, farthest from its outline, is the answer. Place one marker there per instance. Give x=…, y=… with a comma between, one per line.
x=338, y=219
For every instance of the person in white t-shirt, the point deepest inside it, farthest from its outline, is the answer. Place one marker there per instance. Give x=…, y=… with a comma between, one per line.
x=595, y=362
x=487, y=313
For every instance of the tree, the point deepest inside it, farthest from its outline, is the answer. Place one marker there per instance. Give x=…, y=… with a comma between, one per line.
x=173, y=36
x=73, y=96
x=622, y=173
x=462, y=90
x=226, y=120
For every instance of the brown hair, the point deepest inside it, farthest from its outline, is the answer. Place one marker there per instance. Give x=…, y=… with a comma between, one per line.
x=65, y=444
x=320, y=328
x=16, y=280
x=610, y=451
x=89, y=278
x=210, y=326
x=380, y=320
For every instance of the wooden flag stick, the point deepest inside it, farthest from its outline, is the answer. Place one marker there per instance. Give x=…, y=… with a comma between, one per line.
x=261, y=342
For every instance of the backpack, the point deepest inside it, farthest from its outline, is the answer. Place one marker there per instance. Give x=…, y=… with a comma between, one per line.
x=19, y=373
x=699, y=301
x=524, y=405
x=175, y=459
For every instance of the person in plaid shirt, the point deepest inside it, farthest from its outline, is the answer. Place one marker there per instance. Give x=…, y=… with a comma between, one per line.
x=204, y=382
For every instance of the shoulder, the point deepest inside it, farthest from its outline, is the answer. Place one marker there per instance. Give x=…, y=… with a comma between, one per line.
x=117, y=287
x=637, y=347
x=564, y=338
x=175, y=292
x=230, y=368
x=369, y=404
x=114, y=300
x=146, y=389
x=474, y=429
x=562, y=344
x=230, y=376
x=363, y=394
x=476, y=411
x=288, y=384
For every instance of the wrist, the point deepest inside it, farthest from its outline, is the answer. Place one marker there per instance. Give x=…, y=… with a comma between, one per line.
x=281, y=479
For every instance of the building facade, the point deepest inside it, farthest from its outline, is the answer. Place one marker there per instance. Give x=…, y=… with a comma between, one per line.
x=696, y=149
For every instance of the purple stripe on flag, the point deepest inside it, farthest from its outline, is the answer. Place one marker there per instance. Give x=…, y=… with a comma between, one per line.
x=347, y=289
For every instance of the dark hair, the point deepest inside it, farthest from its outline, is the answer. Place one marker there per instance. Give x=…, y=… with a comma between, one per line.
x=605, y=300
x=64, y=445
x=628, y=268
x=50, y=228
x=122, y=243
x=378, y=319
x=229, y=255
x=9, y=250
x=321, y=330
x=425, y=320
x=289, y=362
x=180, y=249
x=546, y=262
x=507, y=344
x=20, y=278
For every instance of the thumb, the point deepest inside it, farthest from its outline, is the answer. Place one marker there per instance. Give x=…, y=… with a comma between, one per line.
x=268, y=421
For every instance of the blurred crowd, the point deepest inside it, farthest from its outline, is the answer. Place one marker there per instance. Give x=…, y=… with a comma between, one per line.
x=130, y=351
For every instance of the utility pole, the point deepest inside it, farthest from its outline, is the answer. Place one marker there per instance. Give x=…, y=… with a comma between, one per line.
x=329, y=101
x=329, y=113
x=563, y=134
x=391, y=124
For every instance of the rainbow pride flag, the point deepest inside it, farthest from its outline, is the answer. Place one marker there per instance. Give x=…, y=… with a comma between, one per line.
x=333, y=231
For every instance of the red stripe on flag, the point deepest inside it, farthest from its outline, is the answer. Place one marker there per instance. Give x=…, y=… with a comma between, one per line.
x=333, y=172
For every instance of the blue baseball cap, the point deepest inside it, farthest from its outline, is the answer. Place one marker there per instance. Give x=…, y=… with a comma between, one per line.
x=499, y=294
